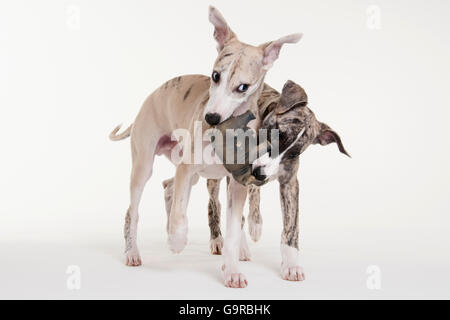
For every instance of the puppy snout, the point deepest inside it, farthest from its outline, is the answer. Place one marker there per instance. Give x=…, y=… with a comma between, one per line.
x=259, y=174
x=212, y=118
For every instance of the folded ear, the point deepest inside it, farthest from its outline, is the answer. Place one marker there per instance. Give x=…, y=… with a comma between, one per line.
x=327, y=136
x=272, y=49
x=292, y=95
x=222, y=32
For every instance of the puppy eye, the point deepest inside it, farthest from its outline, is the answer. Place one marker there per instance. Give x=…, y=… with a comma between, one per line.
x=215, y=76
x=242, y=88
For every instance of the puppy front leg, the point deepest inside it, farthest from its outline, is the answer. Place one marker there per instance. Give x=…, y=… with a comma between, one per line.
x=236, y=195
x=177, y=218
x=289, y=193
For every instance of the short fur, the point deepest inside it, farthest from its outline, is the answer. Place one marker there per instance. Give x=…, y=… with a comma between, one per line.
x=289, y=113
x=178, y=104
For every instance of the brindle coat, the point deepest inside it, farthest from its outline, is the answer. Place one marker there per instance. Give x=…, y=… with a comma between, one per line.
x=189, y=105
x=289, y=114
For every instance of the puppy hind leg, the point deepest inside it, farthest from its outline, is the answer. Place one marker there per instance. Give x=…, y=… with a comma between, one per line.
x=168, y=195
x=141, y=172
x=244, y=250
x=254, y=214
x=214, y=211
x=177, y=219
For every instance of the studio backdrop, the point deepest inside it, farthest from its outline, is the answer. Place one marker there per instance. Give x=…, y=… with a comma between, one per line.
x=376, y=225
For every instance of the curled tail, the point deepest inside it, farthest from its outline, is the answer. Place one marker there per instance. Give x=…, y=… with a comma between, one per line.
x=116, y=137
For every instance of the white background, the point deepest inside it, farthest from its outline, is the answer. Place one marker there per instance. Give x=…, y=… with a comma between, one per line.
x=64, y=185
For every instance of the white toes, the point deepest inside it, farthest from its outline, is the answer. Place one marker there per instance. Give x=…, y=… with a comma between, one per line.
x=234, y=279
x=290, y=269
x=178, y=240
x=293, y=273
x=132, y=258
x=216, y=245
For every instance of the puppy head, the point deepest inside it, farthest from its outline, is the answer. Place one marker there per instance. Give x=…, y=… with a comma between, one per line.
x=238, y=72
x=294, y=99
x=298, y=128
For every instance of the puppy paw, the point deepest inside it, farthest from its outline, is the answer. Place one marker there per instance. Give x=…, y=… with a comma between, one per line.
x=292, y=273
x=234, y=279
x=216, y=245
x=132, y=258
x=178, y=240
x=255, y=230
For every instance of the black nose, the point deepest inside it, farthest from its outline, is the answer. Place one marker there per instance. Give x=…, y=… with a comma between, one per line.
x=258, y=174
x=212, y=118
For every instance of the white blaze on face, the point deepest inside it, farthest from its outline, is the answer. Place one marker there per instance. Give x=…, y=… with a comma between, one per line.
x=269, y=166
x=219, y=101
x=223, y=100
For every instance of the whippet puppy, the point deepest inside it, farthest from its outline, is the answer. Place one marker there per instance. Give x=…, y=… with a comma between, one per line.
x=298, y=128
x=234, y=87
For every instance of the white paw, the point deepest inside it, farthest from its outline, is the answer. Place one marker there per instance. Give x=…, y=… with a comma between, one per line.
x=216, y=245
x=233, y=279
x=132, y=258
x=255, y=231
x=178, y=240
x=292, y=273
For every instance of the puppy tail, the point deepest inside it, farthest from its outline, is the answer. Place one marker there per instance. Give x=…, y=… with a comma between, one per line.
x=116, y=137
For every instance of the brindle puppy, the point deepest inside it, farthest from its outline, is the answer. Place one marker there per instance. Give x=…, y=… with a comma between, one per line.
x=289, y=114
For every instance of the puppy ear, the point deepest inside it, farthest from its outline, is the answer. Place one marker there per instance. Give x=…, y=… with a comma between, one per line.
x=222, y=32
x=292, y=95
x=327, y=136
x=272, y=49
